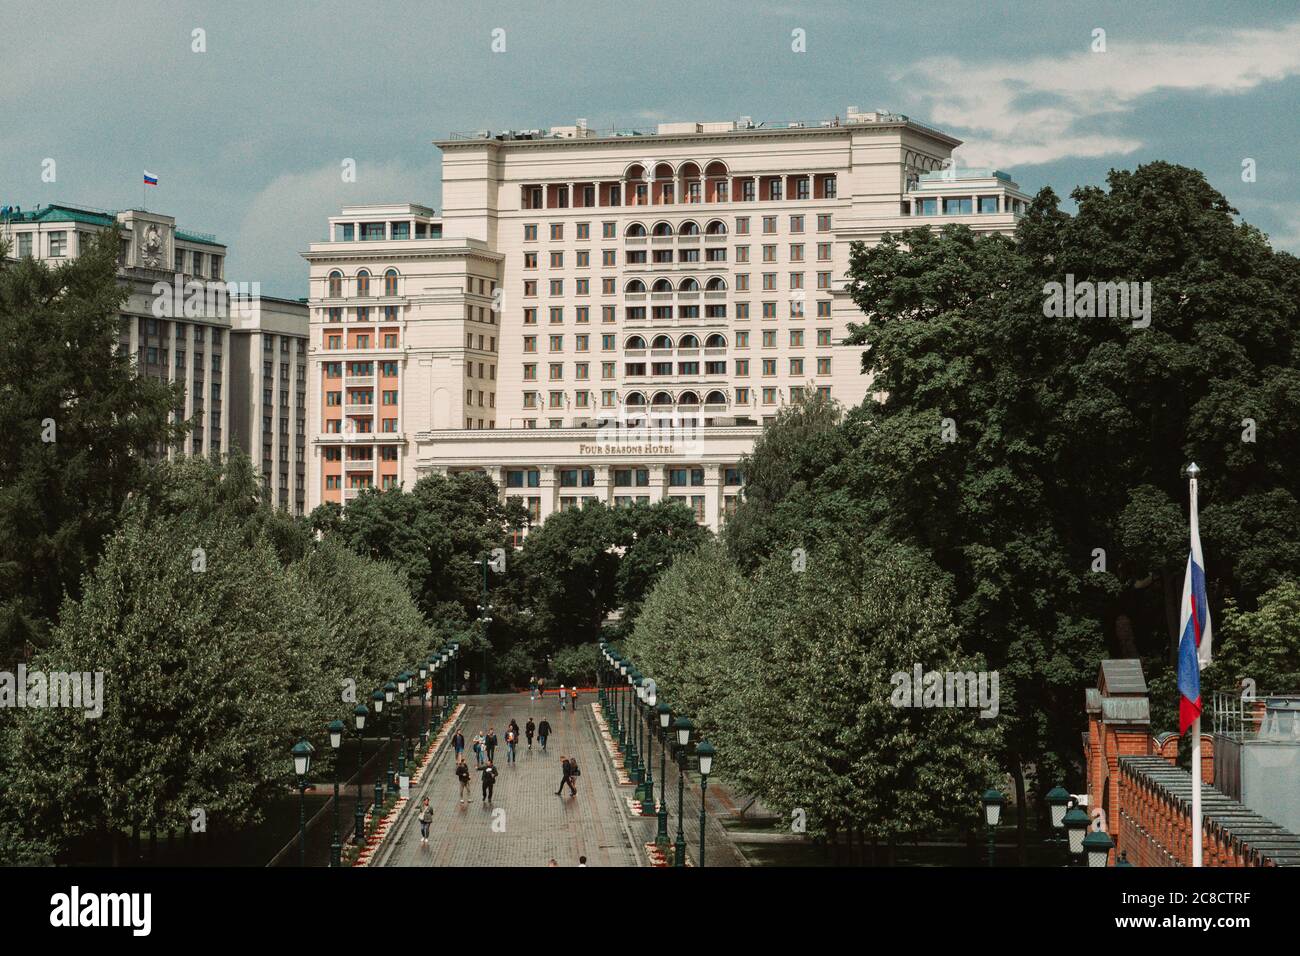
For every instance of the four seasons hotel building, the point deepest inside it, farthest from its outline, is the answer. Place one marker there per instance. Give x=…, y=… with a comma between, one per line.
x=612, y=315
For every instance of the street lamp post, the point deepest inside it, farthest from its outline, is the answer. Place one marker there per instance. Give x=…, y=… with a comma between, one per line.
x=1058, y=801
x=684, y=728
x=665, y=718
x=359, y=715
x=1076, y=827
x=1097, y=846
x=377, y=704
x=335, y=729
x=636, y=684
x=705, y=752
x=485, y=611
x=302, y=752
x=648, y=797
x=993, y=801
x=403, y=681
x=424, y=699
x=390, y=690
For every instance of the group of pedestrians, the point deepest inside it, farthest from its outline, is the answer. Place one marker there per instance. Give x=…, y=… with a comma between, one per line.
x=567, y=695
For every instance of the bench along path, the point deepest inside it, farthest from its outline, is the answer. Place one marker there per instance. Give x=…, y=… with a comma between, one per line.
x=526, y=824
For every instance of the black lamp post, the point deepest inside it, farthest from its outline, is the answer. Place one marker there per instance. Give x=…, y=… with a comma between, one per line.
x=302, y=752
x=1097, y=846
x=683, y=727
x=1076, y=827
x=424, y=697
x=651, y=698
x=485, y=616
x=993, y=801
x=359, y=715
x=403, y=685
x=705, y=752
x=390, y=691
x=1058, y=801
x=665, y=718
x=634, y=726
x=377, y=705
x=335, y=729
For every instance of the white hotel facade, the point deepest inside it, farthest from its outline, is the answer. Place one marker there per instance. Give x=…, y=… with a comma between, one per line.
x=611, y=315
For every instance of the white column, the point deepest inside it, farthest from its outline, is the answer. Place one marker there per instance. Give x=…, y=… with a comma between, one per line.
x=547, y=491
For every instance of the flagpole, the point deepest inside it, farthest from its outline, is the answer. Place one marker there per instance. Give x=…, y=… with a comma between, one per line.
x=1192, y=472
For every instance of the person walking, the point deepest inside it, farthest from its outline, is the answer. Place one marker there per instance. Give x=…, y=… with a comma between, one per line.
x=491, y=743
x=514, y=725
x=573, y=697
x=478, y=749
x=426, y=818
x=543, y=731
x=489, y=781
x=532, y=688
x=564, y=696
x=566, y=777
x=462, y=774
x=458, y=743
x=541, y=689
x=511, y=739
x=530, y=728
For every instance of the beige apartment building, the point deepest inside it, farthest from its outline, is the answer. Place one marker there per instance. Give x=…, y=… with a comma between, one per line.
x=268, y=385
x=612, y=315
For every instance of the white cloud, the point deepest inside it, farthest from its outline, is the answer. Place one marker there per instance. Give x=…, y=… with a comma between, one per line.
x=291, y=211
x=1051, y=107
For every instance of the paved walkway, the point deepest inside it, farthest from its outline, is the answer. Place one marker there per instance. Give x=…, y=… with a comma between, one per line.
x=526, y=824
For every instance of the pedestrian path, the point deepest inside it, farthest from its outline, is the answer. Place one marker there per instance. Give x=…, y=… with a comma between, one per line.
x=526, y=824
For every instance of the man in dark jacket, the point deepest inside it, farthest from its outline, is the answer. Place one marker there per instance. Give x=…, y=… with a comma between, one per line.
x=530, y=728
x=566, y=777
x=491, y=743
x=543, y=731
x=489, y=781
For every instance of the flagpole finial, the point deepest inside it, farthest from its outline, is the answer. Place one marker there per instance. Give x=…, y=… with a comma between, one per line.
x=1192, y=470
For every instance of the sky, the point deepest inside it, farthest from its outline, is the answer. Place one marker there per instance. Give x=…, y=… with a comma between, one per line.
x=247, y=136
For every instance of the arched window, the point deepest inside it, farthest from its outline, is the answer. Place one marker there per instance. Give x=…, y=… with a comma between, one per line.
x=661, y=342
x=664, y=171
x=662, y=398
x=336, y=284
x=636, y=285
x=390, y=282
x=688, y=398
x=635, y=172
x=716, y=284
x=634, y=342
x=715, y=398
x=688, y=228
x=689, y=285
x=715, y=169
x=716, y=227
x=363, y=283
x=635, y=229
x=635, y=400
x=688, y=341
x=663, y=229
x=662, y=285
x=715, y=341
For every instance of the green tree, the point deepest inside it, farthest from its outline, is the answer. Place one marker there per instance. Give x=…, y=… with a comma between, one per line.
x=206, y=649
x=77, y=427
x=1262, y=645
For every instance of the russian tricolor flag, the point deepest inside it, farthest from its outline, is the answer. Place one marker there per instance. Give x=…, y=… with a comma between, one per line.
x=1197, y=634
x=150, y=180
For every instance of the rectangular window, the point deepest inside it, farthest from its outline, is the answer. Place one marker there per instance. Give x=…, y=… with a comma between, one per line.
x=957, y=206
